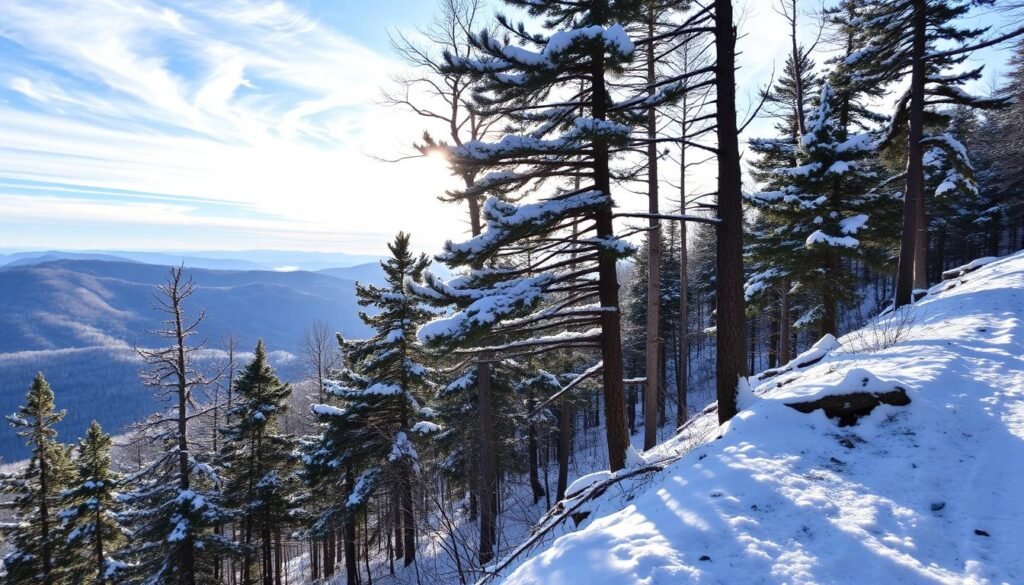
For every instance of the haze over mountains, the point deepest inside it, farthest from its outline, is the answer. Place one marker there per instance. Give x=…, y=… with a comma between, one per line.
x=76, y=316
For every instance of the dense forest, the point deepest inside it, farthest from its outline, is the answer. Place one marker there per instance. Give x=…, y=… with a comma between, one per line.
x=574, y=333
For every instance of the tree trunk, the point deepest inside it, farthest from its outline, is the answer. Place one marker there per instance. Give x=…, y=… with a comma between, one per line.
x=408, y=518
x=913, y=240
x=683, y=367
x=731, y=326
x=531, y=446
x=328, y=557
x=608, y=285
x=785, y=323
x=487, y=464
x=829, y=303
x=396, y=519
x=564, y=445
x=45, y=550
x=186, y=550
x=653, y=350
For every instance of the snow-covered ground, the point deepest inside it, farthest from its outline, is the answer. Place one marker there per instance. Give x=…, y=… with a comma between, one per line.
x=929, y=492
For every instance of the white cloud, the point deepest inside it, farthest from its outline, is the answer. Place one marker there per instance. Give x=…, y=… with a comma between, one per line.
x=253, y=103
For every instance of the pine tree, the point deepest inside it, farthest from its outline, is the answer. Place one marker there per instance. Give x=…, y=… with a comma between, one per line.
x=900, y=37
x=259, y=476
x=569, y=140
x=812, y=221
x=367, y=443
x=90, y=513
x=998, y=146
x=35, y=536
x=789, y=100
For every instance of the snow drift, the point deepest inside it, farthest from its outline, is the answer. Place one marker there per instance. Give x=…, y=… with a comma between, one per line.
x=926, y=492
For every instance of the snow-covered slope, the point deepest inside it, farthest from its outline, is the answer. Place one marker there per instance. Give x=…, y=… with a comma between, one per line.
x=929, y=492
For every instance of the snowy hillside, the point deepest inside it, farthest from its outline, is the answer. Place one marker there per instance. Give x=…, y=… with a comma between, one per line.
x=927, y=492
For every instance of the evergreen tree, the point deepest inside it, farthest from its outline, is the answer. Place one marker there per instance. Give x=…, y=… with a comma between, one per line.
x=367, y=443
x=90, y=513
x=789, y=100
x=811, y=220
x=900, y=37
x=260, y=482
x=35, y=536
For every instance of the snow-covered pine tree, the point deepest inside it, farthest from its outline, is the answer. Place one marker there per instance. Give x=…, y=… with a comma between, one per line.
x=367, y=442
x=817, y=214
x=998, y=149
x=172, y=504
x=556, y=140
x=34, y=535
x=258, y=468
x=768, y=284
x=90, y=513
x=897, y=38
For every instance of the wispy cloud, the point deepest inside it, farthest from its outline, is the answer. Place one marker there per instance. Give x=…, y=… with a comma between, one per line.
x=254, y=103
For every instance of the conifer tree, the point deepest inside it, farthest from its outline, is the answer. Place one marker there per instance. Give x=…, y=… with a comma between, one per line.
x=571, y=139
x=259, y=476
x=35, y=537
x=788, y=101
x=897, y=38
x=90, y=513
x=367, y=442
x=813, y=218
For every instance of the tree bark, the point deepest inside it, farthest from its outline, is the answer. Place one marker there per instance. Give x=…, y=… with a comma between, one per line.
x=731, y=326
x=531, y=446
x=564, y=445
x=487, y=467
x=683, y=366
x=785, y=323
x=408, y=517
x=608, y=285
x=653, y=351
x=186, y=551
x=913, y=240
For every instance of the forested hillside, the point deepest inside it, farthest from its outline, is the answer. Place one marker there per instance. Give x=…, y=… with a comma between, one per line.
x=702, y=326
x=77, y=321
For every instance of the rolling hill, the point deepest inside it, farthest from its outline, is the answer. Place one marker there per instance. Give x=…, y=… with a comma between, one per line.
x=77, y=319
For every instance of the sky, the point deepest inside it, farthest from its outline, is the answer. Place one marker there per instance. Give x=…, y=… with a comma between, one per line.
x=231, y=125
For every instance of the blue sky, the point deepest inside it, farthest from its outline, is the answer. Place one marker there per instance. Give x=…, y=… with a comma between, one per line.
x=227, y=124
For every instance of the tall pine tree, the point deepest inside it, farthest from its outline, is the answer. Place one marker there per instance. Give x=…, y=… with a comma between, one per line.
x=900, y=38
x=367, y=442
x=35, y=536
x=260, y=483
x=90, y=513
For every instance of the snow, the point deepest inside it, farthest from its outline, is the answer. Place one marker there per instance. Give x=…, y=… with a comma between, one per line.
x=179, y=531
x=923, y=493
x=586, y=481
x=327, y=410
x=820, y=237
x=425, y=427
x=363, y=487
x=850, y=225
x=614, y=37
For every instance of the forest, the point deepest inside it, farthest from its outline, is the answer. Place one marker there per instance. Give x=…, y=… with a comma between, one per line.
x=569, y=335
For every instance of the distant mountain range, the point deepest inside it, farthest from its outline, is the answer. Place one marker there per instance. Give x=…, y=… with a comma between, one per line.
x=76, y=317
x=226, y=260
